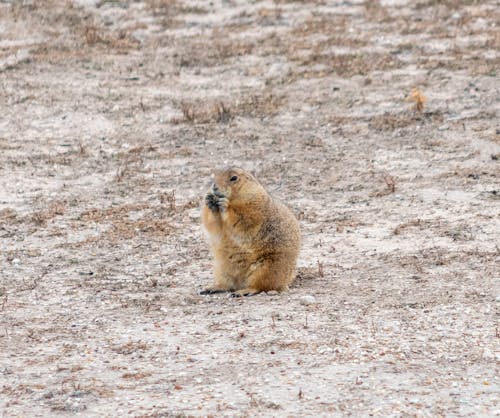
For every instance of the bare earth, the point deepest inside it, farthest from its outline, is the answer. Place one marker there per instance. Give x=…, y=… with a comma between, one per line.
x=113, y=116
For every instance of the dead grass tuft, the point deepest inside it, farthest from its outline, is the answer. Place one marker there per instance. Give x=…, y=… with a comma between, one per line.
x=8, y=216
x=168, y=199
x=376, y=12
x=167, y=11
x=342, y=224
x=419, y=223
x=390, y=183
x=392, y=121
x=188, y=112
x=54, y=209
x=192, y=203
x=204, y=113
x=329, y=25
x=127, y=222
x=83, y=31
x=132, y=163
x=306, y=274
x=222, y=113
x=256, y=105
x=92, y=35
x=114, y=212
x=342, y=65
x=136, y=375
x=21, y=389
x=218, y=49
x=125, y=229
x=265, y=104
x=321, y=269
x=130, y=347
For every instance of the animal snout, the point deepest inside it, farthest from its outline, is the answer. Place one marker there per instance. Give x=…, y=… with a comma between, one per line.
x=216, y=191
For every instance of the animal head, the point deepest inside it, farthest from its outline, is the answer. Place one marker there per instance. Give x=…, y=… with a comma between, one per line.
x=234, y=183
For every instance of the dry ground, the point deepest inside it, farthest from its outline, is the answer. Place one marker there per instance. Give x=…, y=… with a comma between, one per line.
x=113, y=116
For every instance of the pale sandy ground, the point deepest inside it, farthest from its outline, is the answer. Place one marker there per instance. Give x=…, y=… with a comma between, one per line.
x=113, y=116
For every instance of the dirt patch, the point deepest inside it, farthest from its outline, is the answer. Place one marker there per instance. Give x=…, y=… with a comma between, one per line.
x=376, y=122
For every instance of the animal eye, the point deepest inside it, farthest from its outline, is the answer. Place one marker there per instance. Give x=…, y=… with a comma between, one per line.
x=233, y=178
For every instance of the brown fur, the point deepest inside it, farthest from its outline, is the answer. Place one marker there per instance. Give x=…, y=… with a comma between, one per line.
x=255, y=241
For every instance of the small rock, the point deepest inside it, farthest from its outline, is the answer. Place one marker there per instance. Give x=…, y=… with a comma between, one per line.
x=71, y=405
x=5, y=370
x=324, y=349
x=79, y=393
x=307, y=300
x=488, y=354
x=194, y=213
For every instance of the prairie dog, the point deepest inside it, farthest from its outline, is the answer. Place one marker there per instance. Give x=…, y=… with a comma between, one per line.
x=255, y=241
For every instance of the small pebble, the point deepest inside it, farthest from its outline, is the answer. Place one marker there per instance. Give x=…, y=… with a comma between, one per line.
x=307, y=300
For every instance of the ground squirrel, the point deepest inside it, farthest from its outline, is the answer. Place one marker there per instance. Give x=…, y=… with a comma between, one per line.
x=255, y=240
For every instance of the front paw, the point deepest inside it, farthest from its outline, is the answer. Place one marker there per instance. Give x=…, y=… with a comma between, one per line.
x=212, y=202
x=223, y=203
x=216, y=203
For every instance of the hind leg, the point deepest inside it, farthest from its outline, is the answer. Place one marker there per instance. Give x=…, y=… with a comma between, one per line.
x=265, y=276
x=248, y=291
x=223, y=283
x=212, y=290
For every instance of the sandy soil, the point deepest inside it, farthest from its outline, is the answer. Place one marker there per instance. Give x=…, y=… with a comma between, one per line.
x=115, y=113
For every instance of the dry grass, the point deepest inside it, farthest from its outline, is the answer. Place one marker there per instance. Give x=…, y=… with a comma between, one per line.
x=168, y=199
x=264, y=105
x=390, y=183
x=344, y=65
x=64, y=17
x=410, y=224
x=111, y=213
x=8, y=216
x=215, y=50
x=392, y=121
x=202, y=113
x=130, y=347
x=130, y=221
x=100, y=191
x=54, y=209
x=136, y=375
